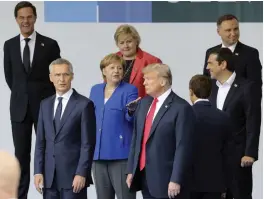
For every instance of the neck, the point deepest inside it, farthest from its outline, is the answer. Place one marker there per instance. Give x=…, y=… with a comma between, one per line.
x=156, y=95
x=60, y=93
x=193, y=99
x=111, y=85
x=224, y=77
x=26, y=35
x=129, y=57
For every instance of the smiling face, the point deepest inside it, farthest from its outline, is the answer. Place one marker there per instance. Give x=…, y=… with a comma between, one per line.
x=127, y=45
x=61, y=77
x=26, y=21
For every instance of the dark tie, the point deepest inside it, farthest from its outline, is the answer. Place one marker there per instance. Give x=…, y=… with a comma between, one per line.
x=26, y=56
x=147, y=128
x=57, y=117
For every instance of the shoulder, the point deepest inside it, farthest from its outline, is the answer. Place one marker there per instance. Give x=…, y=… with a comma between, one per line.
x=82, y=99
x=47, y=100
x=248, y=48
x=149, y=57
x=46, y=39
x=11, y=40
x=97, y=86
x=213, y=48
x=128, y=87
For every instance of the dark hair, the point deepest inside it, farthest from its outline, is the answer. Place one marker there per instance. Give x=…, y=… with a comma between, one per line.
x=225, y=18
x=224, y=54
x=201, y=86
x=25, y=4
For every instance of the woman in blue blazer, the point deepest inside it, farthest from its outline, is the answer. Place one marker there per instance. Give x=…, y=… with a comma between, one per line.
x=114, y=129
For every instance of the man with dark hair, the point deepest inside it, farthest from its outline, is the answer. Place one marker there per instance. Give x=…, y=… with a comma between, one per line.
x=211, y=137
x=26, y=65
x=240, y=99
x=247, y=63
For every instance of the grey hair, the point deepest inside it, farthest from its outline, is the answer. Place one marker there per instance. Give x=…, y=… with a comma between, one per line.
x=162, y=69
x=61, y=61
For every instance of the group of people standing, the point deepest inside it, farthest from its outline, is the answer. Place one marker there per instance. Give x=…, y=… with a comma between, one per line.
x=133, y=132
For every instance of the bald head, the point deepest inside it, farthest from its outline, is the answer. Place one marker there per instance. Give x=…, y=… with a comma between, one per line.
x=9, y=175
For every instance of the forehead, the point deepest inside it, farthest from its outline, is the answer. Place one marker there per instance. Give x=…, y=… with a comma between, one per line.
x=212, y=57
x=25, y=11
x=229, y=23
x=151, y=74
x=124, y=37
x=60, y=68
x=114, y=64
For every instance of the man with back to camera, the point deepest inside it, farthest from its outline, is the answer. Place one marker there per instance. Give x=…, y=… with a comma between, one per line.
x=247, y=60
x=65, y=140
x=26, y=65
x=212, y=135
x=160, y=155
x=240, y=99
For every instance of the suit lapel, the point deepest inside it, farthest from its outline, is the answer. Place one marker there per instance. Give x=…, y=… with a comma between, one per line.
x=51, y=115
x=17, y=51
x=38, y=50
x=68, y=109
x=230, y=94
x=237, y=50
x=137, y=65
x=163, y=109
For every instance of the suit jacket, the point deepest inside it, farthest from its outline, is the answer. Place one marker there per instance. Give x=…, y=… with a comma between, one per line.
x=244, y=107
x=29, y=88
x=114, y=124
x=247, y=63
x=212, y=136
x=70, y=150
x=142, y=60
x=169, y=146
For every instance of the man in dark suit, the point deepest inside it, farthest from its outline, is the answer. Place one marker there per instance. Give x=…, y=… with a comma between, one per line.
x=160, y=155
x=65, y=139
x=211, y=138
x=246, y=58
x=26, y=65
x=240, y=99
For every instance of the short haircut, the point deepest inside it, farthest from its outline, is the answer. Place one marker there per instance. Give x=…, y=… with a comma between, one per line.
x=224, y=54
x=25, y=4
x=126, y=29
x=61, y=61
x=226, y=17
x=111, y=58
x=163, y=70
x=201, y=86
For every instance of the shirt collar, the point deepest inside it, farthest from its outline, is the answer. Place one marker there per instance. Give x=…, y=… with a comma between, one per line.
x=229, y=82
x=162, y=97
x=232, y=47
x=32, y=37
x=201, y=100
x=66, y=95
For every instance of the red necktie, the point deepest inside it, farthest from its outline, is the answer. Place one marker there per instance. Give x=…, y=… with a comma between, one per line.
x=148, y=124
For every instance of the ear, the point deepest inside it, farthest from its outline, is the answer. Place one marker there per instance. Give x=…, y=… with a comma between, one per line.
x=218, y=30
x=163, y=82
x=191, y=92
x=50, y=76
x=72, y=76
x=103, y=71
x=223, y=65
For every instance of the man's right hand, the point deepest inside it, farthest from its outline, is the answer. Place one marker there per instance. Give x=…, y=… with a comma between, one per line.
x=129, y=180
x=39, y=181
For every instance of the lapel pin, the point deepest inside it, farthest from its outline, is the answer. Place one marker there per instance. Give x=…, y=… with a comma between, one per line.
x=235, y=85
x=236, y=54
x=42, y=44
x=166, y=106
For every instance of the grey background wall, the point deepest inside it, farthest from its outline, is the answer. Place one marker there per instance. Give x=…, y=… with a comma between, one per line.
x=180, y=45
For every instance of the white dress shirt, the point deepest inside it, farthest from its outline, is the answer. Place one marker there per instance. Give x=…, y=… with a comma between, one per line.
x=223, y=90
x=232, y=47
x=31, y=45
x=65, y=98
x=201, y=100
x=160, y=102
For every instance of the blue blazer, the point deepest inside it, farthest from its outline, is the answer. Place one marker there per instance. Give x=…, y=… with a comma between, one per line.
x=114, y=125
x=70, y=150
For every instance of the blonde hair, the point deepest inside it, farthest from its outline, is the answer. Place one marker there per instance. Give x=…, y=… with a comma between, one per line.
x=109, y=59
x=126, y=29
x=163, y=70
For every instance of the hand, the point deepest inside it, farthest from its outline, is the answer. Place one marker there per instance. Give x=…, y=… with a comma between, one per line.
x=78, y=183
x=129, y=180
x=247, y=161
x=223, y=195
x=38, y=181
x=131, y=106
x=174, y=189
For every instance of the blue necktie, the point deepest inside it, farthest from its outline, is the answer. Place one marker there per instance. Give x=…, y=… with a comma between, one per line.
x=57, y=117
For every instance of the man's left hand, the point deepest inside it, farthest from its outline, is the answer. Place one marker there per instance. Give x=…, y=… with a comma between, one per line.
x=247, y=161
x=173, y=189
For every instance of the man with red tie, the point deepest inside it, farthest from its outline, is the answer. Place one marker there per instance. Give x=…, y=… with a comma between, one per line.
x=160, y=155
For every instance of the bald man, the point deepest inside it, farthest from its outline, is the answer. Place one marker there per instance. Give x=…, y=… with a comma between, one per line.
x=9, y=175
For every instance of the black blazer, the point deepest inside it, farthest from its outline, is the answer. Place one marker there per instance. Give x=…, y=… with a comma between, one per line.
x=211, y=148
x=247, y=63
x=244, y=107
x=29, y=88
x=168, y=149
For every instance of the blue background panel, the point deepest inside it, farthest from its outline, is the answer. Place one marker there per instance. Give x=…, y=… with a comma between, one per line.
x=125, y=11
x=70, y=11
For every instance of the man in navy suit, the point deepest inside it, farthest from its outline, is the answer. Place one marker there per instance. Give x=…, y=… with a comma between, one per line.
x=160, y=155
x=65, y=139
x=211, y=142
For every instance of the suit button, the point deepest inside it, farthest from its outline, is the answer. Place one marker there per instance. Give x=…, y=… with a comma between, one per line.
x=54, y=156
x=100, y=130
x=120, y=136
